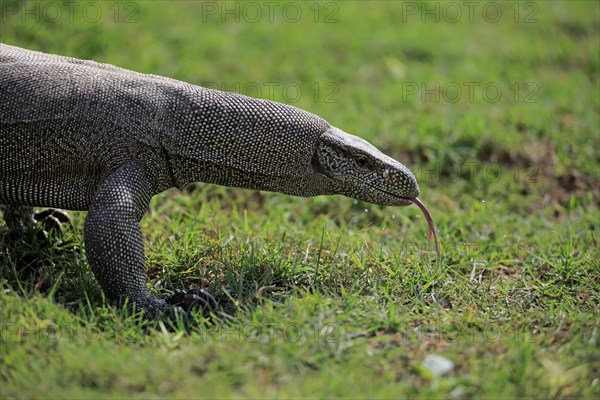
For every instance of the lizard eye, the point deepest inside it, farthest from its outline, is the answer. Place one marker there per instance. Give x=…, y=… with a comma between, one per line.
x=360, y=160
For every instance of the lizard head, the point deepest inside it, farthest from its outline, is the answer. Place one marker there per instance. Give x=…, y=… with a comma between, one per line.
x=359, y=170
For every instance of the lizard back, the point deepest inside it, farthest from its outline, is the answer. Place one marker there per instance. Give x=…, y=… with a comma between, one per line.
x=67, y=123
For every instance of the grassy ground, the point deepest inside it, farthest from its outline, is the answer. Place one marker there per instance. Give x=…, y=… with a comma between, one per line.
x=496, y=110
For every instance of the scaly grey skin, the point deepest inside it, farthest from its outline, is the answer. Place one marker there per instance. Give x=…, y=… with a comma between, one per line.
x=81, y=135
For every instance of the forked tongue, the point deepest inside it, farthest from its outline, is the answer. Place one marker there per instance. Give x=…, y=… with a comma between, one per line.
x=430, y=224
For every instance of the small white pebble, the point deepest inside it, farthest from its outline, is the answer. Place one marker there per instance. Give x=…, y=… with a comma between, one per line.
x=437, y=365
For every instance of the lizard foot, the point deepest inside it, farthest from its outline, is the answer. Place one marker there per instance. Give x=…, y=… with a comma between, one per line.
x=52, y=219
x=21, y=221
x=192, y=298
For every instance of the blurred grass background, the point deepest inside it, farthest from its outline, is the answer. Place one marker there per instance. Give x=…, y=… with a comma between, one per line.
x=512, y=178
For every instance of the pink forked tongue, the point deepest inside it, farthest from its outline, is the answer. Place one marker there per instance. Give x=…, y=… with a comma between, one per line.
x=432, y=231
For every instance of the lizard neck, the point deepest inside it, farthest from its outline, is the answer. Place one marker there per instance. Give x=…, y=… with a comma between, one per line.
x=235, y=140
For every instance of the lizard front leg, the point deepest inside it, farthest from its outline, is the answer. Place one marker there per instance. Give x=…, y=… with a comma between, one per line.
x=113, y=237
x=115, y=246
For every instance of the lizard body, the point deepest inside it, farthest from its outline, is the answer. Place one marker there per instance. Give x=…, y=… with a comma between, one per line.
x=82, y=135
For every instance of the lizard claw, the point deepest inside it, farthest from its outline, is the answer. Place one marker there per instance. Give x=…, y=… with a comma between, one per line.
x=172, y=314
x=192, y=298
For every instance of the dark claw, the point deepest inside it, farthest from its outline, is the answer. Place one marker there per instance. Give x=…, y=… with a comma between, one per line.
x=192, y=298
x=171, y=315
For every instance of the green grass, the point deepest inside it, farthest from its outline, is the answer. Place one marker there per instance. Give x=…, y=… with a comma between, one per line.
x=329, y=297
